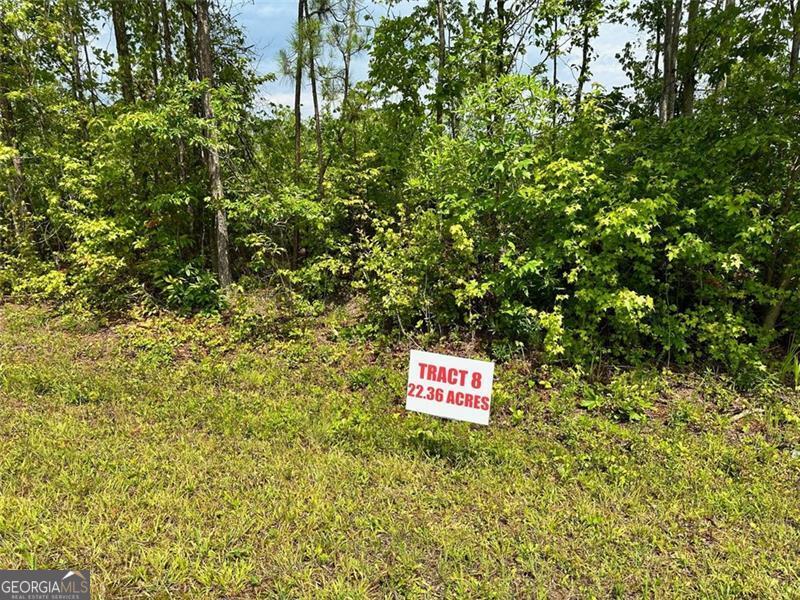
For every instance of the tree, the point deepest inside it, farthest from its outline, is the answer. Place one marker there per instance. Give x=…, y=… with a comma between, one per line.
x=347, y=36
x=442, y=59
x=166, y=33
x=673, y=13
x=206, y=73
x=298, y=84
x=118, y=17
x=589, y=13
x=15, y=177
x=690, y=58
x=794, y=52
x=313, y=38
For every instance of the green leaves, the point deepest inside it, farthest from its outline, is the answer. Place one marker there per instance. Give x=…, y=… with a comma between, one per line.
x=582, y=241
x=451, y=193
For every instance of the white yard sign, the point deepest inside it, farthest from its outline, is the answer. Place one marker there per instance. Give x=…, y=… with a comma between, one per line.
x=449, y=386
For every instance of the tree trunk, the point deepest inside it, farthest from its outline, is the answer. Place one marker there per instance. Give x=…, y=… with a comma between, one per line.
x=656, y=65
x=189, y=42
x=689, y=66
x=724, y=42
x=77, y=77
x=347, y=52
x=501, y=38
x=166, y=35
x=554, y=53
x=771, y=318
x=154, y=16
x=298, y=123
x=312, y=75
x=672, y=25
x=794, y=53
x=189, y=156
x=442, y=61
x=346, y=85
x=166, y=42
x=677, y=18
x=123, y=50
x=298, y=88
x=90, y=80
x=583, y=75
x=212, y=154
x=484, y=45
x=317, y=128
x=665, y=81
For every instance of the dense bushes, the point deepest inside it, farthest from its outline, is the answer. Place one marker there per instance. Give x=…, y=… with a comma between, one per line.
x=586, y=240
x=454, y=196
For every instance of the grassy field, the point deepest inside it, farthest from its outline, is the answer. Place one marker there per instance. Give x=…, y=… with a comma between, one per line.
x=193, y=458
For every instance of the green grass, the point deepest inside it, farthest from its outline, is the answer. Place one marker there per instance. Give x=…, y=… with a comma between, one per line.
x=175, y=458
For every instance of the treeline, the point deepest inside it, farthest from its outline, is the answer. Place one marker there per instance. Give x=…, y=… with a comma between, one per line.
x=476, y=180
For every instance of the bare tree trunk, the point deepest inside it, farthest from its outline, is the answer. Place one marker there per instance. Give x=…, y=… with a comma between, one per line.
x=298, y=124
x=155, y=40
x=347, y=57
x=75, y=26
x=312, y=75
x=583, y=74
x=677, y=18
x=794, y=53
x=689, y=66
x=188, y=156
x=663, y=115
x=298, y=88
x=442, y=61
x=317, y=127
x=672, y=26
x=501, y=38
x=166, y=35
x=485, y=42
x=189, y=41
x=724, y=40
x=554, y=53
x=346, y=86
x=89, y=73
x=166, y=42
x=212, y=154
x=123, y=50
x=77, y=78
x=656, y=65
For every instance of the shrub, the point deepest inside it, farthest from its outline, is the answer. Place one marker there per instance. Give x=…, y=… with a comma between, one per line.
x=586, y=242
x=193, y=289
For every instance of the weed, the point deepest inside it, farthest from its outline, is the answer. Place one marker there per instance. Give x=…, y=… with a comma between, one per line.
x=170, y=458
x=627, y=398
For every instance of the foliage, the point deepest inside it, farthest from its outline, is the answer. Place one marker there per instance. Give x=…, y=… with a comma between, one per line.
x=628, y=397
x=583, y=225
x=583, y=240
x=192, y=290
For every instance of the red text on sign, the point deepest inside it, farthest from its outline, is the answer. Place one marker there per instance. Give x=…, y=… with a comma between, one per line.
x=437, y=394
x=452, y=375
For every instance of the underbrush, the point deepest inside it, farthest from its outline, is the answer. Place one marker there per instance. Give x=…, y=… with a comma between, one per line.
x=243, y=455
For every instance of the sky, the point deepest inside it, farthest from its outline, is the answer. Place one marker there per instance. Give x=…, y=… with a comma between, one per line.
x=268, y=25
